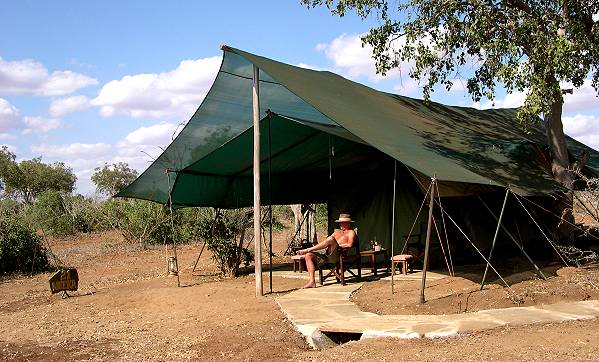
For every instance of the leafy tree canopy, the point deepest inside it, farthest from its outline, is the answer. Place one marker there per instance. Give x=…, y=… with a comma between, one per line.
x=526, y=45
x=111, y=179
x=28, y=178
x=533, y=46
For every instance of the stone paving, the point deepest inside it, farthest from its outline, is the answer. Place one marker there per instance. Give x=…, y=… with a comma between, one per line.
x=320, y=311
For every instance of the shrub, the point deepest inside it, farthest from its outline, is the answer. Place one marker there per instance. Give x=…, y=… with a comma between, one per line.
x=224, y=234
x=138, y=220
x=58, y=214
x=20, y=247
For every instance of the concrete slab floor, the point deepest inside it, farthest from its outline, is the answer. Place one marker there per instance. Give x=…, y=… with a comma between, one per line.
x=328, y=309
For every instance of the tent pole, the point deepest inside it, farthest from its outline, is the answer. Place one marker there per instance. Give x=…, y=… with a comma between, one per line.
x=269, y=205
x=515, y=241
x=257, y=219
x=507, y=193
x=428, y=237
x=170, y=207
x=393, y=224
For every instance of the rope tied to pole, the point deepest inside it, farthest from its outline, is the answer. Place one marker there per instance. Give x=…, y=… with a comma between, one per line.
x=540, y=229
x=445, y=231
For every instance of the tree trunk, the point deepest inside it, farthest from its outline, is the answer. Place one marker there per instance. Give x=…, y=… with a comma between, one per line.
x=297, y=219
x=560, y=166
x=311, y=223
x=307, y=229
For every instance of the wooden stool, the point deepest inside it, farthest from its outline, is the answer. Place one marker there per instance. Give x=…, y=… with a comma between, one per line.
x=404, y=261
x=299, y=262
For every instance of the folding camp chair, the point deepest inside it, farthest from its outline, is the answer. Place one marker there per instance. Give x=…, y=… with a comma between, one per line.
x=348, y=257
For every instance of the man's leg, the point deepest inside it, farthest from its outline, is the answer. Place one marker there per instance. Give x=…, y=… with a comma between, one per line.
x=311, y=259
x=311, y=266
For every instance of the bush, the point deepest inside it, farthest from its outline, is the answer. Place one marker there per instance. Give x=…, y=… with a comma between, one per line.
x=138, y=220
x=321, y=218
x=20, y=247
x=58, y=214
x=224, y=234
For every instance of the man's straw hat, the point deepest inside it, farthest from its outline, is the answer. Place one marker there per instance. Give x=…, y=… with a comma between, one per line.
x=344, y=218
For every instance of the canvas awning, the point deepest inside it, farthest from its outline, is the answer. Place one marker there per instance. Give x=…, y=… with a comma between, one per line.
x=211, y=158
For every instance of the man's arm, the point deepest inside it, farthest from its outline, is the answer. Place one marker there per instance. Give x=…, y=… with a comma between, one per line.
x=321, y=245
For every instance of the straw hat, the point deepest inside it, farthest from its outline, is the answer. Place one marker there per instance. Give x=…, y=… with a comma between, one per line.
x=344, y=218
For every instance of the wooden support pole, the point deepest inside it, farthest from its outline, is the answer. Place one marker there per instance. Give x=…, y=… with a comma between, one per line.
x=269, y=205
x=482, y=283
x=428, y=237
x=257, y=218
x=170, y=207
x=393, y=225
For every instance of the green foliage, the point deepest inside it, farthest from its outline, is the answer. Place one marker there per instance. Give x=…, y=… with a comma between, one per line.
x=139, y=220
x=535, y=47
x=111, y=179
x=57, y=214
x=279, y=212
x=8, y=172
x=321, y=216
x=20, y=247
x=27, y=179
x=146, y=222
x=528, y=46
x=224, y=234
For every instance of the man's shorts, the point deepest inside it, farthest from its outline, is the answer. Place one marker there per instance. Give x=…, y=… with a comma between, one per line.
x=323, y=258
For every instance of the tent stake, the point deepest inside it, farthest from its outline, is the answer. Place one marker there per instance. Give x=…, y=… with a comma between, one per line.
x=512, y=238
x=428, y=237
x=393, y=225
x=482, y=283
x=257, y=219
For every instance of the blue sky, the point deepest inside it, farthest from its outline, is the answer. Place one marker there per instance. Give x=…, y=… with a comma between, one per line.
x=89, y=83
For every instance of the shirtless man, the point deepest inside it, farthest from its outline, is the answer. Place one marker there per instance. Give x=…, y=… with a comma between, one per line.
x=326, y=250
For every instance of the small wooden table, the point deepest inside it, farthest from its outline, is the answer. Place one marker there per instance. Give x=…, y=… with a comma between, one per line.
x=372, y=254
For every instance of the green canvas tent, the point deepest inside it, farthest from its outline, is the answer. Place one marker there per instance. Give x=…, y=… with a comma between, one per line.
x=327, y=139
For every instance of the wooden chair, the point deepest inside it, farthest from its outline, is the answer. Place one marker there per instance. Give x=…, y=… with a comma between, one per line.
x=348, y=257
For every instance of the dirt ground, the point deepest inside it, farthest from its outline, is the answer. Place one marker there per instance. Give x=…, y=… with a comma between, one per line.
x=462, y=294
x=127, y=309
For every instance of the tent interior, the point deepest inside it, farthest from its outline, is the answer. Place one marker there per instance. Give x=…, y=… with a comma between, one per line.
x=325, y=139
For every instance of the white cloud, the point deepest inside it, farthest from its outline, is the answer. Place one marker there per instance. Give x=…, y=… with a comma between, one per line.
x=40, y=124
x=353, y=60
x=350, y=57
x=584, y=128
x=9, y=116
x=63, y=106
x=511, y=100
x=308, y=66
x=407, y=86
x=73, y=151
x=171, y=94
x=28, y=77
x=583, y=99
x=145, y=144
x=157, y=135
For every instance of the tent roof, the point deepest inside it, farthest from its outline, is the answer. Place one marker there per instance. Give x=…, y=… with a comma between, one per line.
x=457, y=144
